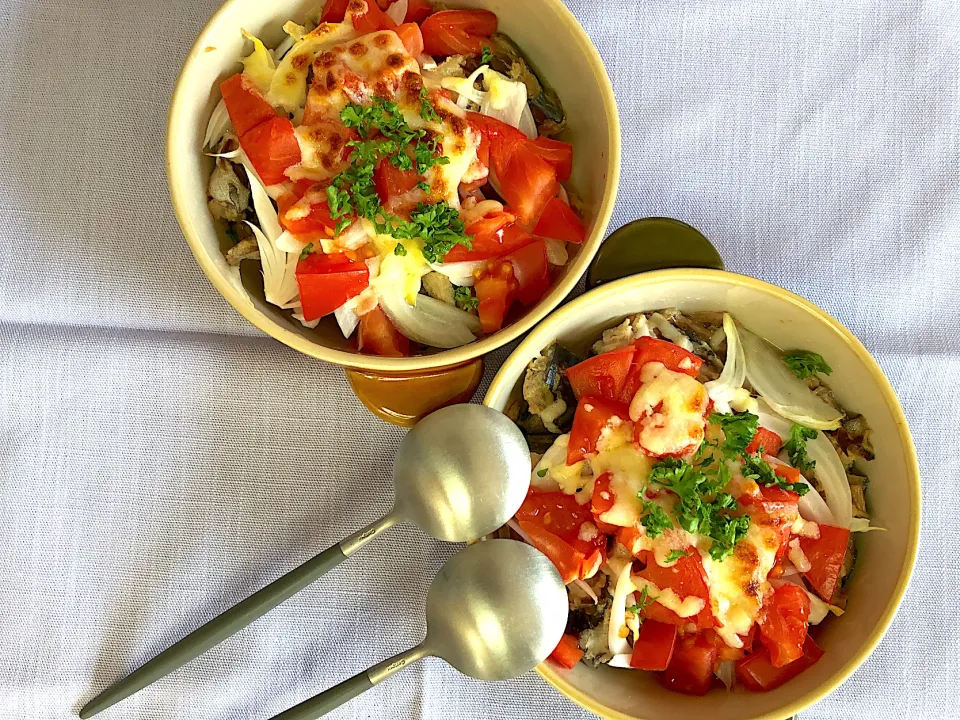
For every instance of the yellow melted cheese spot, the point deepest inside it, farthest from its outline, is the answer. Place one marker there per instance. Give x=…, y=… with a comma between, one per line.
x=629, y=470
x=669, y=409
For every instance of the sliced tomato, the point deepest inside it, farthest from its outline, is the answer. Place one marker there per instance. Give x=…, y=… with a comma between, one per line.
x=397, y=189
x=527, y=181
x=372, y=19
x=531, y=271
x=458, y=32
x=309, y=216
x=272, y=147
x=334, y=11
x=593, y=415
x=568, y=652
x=560, y=222
x=379, y=336
x=631, y=538
x=826, y=555
x=561, y=553
x=771, y=503
x=557, y=512
x=246, y=107
x=603, y=375
x=493, y=237
x=418, y=11
x=603, y=498
x=496, y=289
x=557, y=153
x=410, y=36
x=501, y=138
x=686, y=577
x=783, y=623
x=672, y=356
x=756, y=671
x=766, y=439
x=653, y=649
x=327, y=281
x=691, y=668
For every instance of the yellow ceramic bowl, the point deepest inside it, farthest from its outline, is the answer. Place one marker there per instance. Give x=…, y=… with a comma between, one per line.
x=543, y=29
x=885, y=559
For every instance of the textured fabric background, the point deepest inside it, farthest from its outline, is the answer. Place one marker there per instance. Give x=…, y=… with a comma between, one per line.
x=160, y=459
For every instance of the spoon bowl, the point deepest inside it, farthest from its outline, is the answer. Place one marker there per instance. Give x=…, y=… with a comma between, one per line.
x=461, y=473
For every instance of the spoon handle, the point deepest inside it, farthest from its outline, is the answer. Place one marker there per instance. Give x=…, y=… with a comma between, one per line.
x=320, y=705
x=236, y=618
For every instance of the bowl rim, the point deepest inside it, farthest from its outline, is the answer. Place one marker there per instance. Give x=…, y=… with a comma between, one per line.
x=445, y=358
x=544, y=332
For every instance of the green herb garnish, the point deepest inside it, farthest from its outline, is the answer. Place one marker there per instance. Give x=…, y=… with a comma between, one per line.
x=738, y=432
x=465, y=300
x=796, y=447
x=654, y=519
x=806, y=364
x=643, y=601
x=399, y=249
x=423, y=186
x=440, y=227
x=486, y=57
x=675, y=555
x=427, y=111
x=306, y=251
x=755, y=468
x=543, y=472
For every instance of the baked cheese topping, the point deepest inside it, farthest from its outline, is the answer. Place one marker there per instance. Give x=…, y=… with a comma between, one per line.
x=668, y=409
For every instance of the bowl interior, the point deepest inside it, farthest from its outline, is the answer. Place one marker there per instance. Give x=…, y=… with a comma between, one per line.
x=885, y=559
x=556, y=46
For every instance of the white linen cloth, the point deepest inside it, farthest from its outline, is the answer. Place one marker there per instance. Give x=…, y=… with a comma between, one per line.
x=160, y=459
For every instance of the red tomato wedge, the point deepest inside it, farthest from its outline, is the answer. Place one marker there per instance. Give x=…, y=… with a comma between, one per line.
x=603, y=498
x=568, y=652
x=309, y=216
x=272, y=147
x=783, y=624
x=557, y=512
x=327, y=281
x=458, y=32
x=560, y=222
x=372, y=19
x=531, y=271
x=493, y=237
x=245, y=105
x=557, y=153
x=672, y=356
x=593, y=415
x=334, y=11
x=766, y=439
x=757, y=673
x=411, y=37
x=691, y=668
x=653, y=649
x=630, y=538
x=603, y=375
x=496, y=289
x=686, y=577
x=561, y=553
x=527, y=181
x=826, y=555
x=379, y=336
x=418, y=11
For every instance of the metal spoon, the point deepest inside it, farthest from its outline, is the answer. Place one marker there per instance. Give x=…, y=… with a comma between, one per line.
x=459, y=474
x=495, y=610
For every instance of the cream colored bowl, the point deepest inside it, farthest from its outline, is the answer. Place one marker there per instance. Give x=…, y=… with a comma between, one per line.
x=885, y=559
x=543, y=29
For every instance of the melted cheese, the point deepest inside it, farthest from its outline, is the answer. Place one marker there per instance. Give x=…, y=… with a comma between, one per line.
x=323, y=150
x=629, y=470
x=668, y=409
x=288, y=87
x=684, y=607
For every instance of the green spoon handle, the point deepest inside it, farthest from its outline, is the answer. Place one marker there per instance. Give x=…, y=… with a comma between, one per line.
x=236, y=618
x=320, y=705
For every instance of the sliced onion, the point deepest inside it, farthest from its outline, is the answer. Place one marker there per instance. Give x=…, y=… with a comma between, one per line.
x=723, y=389
x=556, y=251
x=812, y=507
x=587, y=590
x=621, y=661
x=279, y=270
x=289, y=243
x=459, y=273
x=787, y=395
x=266, y=213
x=464, y=87
x=727, y=672
x=527, y=124
x=833, y=479
x=505, y=99
x=430, y=321
x=218, y=125
x=347, y=318
x=398, y=11
x=624, y=586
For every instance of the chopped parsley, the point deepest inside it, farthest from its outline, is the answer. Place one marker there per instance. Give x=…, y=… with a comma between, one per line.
x=486, y=57
x=643, y=601
x=806, y=364
x=308, y=248
x=466, y=301
x=796, y=447
x=738, y=432
x=654, y=519
x=423, y=186
x=427, y=111
x=701, y=506
x=675, y=555
x=440, y=227
x=543, y=472
x=399, y=249
x=755, y=468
